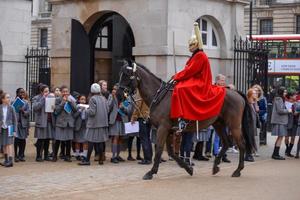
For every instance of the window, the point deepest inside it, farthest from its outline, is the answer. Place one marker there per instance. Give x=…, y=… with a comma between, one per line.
x=266, y=26
x=43, y=37
x=103, y=41
x=298, y=24
x=209, y=34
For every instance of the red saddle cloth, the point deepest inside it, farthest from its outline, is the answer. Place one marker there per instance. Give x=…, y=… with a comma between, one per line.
x=194, y=96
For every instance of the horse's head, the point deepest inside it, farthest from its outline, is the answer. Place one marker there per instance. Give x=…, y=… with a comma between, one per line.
x=128, y=80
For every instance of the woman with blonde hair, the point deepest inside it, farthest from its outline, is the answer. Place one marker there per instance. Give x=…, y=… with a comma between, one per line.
x=252, y=100
x=262, y=113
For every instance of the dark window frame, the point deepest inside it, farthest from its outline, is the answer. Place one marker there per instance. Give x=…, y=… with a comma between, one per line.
x=108, y=37
x=43, y=37
x=298, y=24
x=264, y=30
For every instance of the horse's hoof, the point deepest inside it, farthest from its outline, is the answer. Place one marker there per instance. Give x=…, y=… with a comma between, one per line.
x=216, y=170
x=148, y=176
x=236, y=174
x=190, y=170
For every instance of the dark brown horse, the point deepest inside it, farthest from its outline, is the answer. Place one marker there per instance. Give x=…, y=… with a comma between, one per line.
x=235, y=115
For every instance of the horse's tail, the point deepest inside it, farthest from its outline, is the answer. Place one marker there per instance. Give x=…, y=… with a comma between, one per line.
x=247, y=126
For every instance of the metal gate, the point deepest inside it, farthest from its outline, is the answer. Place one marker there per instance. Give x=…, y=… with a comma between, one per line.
x=250, y=64
x=37, y=69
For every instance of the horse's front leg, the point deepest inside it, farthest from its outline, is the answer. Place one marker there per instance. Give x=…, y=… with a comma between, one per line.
x=162, y=134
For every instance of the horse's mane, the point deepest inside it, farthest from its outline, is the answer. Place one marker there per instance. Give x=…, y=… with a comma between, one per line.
x=148, y=71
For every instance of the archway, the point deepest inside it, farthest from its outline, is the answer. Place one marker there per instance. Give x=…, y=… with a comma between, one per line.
x=111, y=40
x=98, y=48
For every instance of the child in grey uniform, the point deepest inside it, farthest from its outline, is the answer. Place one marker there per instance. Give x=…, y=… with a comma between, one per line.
x=65, y=111
x=279, y=120
x=97, y=124
x=44, y=124
x=8, y=124
x=80, y=129
x=23, y=127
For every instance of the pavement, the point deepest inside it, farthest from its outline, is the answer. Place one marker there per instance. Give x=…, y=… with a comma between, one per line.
x=263, y=179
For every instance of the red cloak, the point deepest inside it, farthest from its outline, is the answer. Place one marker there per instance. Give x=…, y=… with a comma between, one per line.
x=194, y=96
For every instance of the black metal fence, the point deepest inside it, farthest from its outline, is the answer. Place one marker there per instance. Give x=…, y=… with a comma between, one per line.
x=250, y=64
x=37, y=69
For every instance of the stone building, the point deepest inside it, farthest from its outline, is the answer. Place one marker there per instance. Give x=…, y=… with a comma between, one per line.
x=15, y=18
x=41, y=24
x=274, y=17
x=90, y=38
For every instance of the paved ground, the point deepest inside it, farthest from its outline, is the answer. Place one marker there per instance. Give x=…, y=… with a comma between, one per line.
x=264, y=179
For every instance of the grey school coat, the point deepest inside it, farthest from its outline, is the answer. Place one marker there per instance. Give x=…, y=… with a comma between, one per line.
x=64, y=119
x=38, y=107
x=11, y=118
x=114, y=106
x=24, y=116
x=279, y=112
x=97, y=112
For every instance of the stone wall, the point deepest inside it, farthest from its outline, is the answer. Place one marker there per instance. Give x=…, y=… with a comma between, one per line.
x=283, y=15
x=153, y=23
x=14, y=38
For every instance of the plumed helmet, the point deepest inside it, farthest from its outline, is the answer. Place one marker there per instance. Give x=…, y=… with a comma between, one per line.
x=196, y=38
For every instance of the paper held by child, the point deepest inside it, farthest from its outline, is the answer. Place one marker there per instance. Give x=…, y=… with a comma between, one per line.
x=10, y=131
x=49, y=104
x=83, y=106
x=18, y=103
x=288, y=105
x=132, y=127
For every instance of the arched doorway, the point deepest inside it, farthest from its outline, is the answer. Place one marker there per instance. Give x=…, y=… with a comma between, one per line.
x=100, y=51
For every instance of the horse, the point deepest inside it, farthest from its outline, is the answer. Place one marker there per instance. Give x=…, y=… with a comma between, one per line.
x=235, y=115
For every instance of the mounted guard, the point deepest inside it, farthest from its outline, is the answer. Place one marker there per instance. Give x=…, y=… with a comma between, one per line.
x=195, y=98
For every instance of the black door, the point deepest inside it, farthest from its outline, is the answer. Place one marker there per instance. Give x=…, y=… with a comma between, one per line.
x=80, y=59
x=122, y=44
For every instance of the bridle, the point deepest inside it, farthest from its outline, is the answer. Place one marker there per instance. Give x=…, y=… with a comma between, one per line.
x=133, y=77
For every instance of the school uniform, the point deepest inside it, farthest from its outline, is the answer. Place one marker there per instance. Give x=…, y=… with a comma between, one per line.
x=22, y=131
x=64, y=126
x=279, y=118
x=118, y=117
x=7, y=118
x=44, y=127
x=80, y=126
x=96, y=127
x=97, y=122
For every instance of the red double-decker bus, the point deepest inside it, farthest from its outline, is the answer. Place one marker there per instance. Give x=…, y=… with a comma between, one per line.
x=284, y=59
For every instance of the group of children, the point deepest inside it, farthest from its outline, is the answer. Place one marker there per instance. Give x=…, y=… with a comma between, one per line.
x=74, y=122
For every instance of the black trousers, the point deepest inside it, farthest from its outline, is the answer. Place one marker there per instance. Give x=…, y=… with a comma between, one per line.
x=138, y=145
x=144, y=135
x=19, y=147
x=68, y=145
x=186, y=145
x=99, y=147
x=42, y=145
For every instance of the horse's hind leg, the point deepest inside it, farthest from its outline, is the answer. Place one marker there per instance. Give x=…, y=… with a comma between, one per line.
x=179, y=161
x=237, y=135
x=162, y=134
x=220, y=130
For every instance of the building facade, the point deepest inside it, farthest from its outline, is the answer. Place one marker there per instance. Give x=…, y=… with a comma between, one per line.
x=41, y=30
x=90, y=38
x=274, y=17
x=15, y=20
